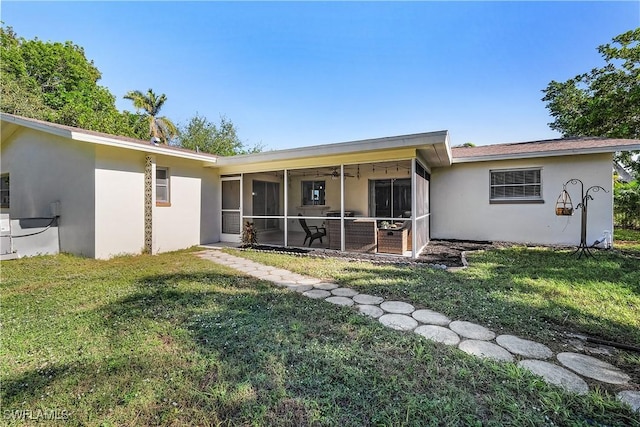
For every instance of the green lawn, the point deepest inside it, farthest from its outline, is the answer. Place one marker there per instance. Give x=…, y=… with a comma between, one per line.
x=175, y=340
x=627, y=240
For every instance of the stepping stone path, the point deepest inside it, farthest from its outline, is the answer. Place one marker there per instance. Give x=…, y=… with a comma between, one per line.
x=438, y=334
x=486, y=350
x=593, y=368
x=469, y=337
x=524, y=348
x=556, y=375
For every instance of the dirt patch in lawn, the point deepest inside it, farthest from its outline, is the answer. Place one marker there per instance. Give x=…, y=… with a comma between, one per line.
x=449, y=252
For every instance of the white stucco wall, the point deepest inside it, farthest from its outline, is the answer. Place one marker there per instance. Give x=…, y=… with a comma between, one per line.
x=45, y=168
x=119, y=206
x=178, y=226
x=210, y=206
x=461, y=210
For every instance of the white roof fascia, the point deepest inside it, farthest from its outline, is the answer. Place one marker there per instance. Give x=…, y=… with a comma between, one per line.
x=554, y=153
x=95, y=139
x=151, y=148
x=377, y=144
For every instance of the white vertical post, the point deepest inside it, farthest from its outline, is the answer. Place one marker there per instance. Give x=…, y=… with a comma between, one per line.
x=414, y=210
x=342, y=242
x=286, y=205
x=241, y=204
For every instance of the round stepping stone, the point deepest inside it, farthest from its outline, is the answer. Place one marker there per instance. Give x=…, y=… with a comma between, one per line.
x=309, y=281
x=397, y=307
x=317, y=294
x=284, y=284
x=399, y=322
x=367, y=299
x=471, y=330
x=300, y=288
x=431, y=318
x=631, y=398
x=340, y=301
x=526, y=348
x=371, y=310
x=486, y=349
x=344, y=292
x=438, y=334
x=556, y=375
x=591, y=367
x=325, y=286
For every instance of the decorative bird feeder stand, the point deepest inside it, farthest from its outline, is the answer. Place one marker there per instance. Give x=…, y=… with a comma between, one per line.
x=564, y=207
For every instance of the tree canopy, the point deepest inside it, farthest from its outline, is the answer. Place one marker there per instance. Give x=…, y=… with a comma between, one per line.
x=605, y=101
x=151, y=104
x=57, y=83
x=202, y=135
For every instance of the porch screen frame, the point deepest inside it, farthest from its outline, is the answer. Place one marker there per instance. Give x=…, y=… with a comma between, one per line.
x=231, y=237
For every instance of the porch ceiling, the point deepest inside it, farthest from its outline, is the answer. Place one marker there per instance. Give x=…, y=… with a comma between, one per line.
x=433, y=148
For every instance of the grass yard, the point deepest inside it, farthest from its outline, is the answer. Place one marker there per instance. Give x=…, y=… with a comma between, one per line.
x=627, y=240
x=176, y=340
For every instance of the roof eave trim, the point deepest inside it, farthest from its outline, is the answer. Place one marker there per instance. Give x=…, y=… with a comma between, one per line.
x=384, y=143
x=151, y=148
x=555, y=153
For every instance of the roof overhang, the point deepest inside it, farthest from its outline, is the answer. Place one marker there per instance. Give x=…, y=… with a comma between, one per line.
x=432, y=147
x=547, y=153
x=11, y=124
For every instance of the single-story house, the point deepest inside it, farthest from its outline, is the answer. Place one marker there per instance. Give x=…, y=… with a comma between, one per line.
x=100, y=195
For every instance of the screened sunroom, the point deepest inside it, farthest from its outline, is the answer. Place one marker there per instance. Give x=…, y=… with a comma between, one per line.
x=365, y=196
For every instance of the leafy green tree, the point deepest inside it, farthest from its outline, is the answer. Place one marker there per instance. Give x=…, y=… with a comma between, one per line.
x=55, y=82
x=202, y=135
x=150, y=104
x=626, y=199
x=604, y=102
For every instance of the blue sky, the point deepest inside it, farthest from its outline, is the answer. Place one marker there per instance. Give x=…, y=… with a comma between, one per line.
x=293, y=74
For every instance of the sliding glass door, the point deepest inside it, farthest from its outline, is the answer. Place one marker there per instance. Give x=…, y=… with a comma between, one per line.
x=390, y=198
x=266, y=202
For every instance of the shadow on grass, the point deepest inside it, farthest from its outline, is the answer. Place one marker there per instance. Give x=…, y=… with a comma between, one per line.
x=521, y=291
x=245, y=352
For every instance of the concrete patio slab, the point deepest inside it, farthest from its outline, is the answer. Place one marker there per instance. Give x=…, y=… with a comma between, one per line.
x=556, y=375
x=522, y=347
x=486, y=350
x=399, y=322
x=438, y=333
x=397, y=307
x=591, y=367
x=471, y=330
x=431, y=317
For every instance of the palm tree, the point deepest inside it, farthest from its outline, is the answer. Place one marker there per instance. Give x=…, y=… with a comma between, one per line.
x=159, y=127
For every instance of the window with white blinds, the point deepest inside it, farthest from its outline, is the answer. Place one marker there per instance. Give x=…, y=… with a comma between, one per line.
x=514, y=185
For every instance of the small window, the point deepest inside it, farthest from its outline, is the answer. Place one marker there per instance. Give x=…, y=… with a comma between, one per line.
x=4, y=191
x=516, y=186
x=162, y=186
x=313, y=193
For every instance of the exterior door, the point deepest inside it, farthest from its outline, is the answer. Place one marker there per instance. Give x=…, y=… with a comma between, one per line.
x=231, y=209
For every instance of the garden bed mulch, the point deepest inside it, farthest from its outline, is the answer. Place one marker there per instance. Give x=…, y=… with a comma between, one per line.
x=438, y=253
